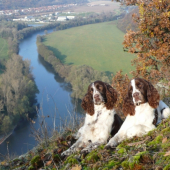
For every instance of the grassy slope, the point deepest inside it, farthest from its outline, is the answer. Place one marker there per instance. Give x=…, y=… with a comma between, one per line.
x=3, y=50
x=96, y=45
x=149, y=152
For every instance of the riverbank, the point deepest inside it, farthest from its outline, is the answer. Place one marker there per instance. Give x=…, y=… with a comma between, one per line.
x=53, y=98
x=78, y=76
x=4, y=137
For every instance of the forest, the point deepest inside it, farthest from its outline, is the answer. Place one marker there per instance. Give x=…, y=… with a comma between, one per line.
x=17, y=86
x=18, y=4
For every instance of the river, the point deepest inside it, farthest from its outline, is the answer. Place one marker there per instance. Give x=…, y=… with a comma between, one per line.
x=54, y=97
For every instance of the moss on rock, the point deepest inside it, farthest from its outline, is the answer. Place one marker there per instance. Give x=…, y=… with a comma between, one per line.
x=71, y=160
x=121, y=151
x=111, y=164
x=36, y=161
x=56, y=157
x=135, y=160
x=156, y=141
x=165, y=131
x=31, y=168
x=167, y=167
x=92, y=157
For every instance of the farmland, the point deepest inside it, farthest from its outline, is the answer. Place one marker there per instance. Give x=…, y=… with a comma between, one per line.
x=97, y=7
x=95, y=45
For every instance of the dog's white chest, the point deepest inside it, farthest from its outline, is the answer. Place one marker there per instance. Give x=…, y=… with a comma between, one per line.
x=144, y=114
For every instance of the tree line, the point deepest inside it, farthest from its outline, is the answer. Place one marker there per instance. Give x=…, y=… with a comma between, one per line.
x=78, y=76
x=17, y=87
x=18, y=4
x=79, y=21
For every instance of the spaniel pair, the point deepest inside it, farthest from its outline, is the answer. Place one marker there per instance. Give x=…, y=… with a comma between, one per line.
x=142, y=107
x=101, y=119
x=143, y=110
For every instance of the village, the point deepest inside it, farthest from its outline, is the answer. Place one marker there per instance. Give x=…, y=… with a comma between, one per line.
x=55, y=13
x=28, y=11
x=40, y=14
x=46, y=18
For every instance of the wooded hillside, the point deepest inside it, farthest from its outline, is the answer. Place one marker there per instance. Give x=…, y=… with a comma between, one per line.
x=17, y=4
x=17, y=86
x=127, y=23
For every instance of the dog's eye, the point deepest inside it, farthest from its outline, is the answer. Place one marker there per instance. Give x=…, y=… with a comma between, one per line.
x=139, y=85
x=91, y=89
x=100, y=87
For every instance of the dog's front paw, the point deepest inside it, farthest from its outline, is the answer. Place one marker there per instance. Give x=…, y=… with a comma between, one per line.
x=85, y=151
x=66, y=153
x=90, y=148
x=166, y=113
x=111, y=144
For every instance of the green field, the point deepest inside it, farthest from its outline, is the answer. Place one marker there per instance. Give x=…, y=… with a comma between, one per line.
x=96, y=45
x=3, y=50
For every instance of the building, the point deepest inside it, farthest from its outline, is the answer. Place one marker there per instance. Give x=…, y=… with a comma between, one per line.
x=17, y=19
x=70, y=17
x=1, y=12
x=62, y=18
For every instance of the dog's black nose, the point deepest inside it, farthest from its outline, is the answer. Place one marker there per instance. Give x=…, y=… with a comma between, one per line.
x=96, y=96
x=136, y=94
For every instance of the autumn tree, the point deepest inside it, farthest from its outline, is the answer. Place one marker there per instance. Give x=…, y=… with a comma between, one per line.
x=120, y=82
x=151, y=42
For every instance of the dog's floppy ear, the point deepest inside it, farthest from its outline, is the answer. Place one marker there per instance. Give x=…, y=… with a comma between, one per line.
x=128, y=105
x=111, y=96
x=87, y=103
x=152, y=95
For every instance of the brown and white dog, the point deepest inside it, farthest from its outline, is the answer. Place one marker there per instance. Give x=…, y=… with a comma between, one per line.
x=101, y=119
x=143, y=110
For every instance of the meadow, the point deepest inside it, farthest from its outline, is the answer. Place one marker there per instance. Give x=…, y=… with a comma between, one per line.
x=96, y=45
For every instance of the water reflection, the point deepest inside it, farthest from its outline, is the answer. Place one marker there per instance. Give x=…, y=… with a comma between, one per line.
x=54, y=98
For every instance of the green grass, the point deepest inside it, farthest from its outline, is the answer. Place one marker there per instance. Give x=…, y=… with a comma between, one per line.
x=97, y=45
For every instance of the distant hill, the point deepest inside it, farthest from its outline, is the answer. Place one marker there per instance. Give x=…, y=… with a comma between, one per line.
x=17, y=4
x=127, y=22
